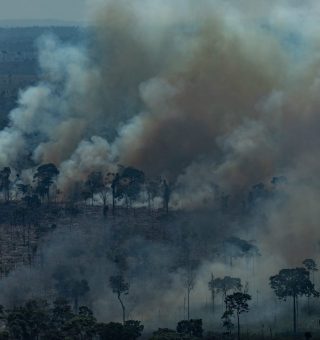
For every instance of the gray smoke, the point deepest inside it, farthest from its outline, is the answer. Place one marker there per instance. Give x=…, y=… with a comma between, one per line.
x=215, y=95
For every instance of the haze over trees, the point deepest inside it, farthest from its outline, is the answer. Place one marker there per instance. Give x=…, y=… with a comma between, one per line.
x=120, y=288
x=293, y=283
x=160, y=167
x=237, y=303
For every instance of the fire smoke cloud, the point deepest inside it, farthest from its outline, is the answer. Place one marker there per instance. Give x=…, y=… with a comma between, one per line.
x=208, y=93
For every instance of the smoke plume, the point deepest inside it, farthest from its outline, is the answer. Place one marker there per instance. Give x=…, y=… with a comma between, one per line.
x=214, y=95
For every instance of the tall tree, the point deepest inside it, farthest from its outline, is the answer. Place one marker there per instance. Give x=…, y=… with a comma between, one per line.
x=70, y=288
x=5, y=182
x=189, y=284
x=191, y=328
x=114, y=187
x=166, y=196
x=94, y=183
x=311, y=266
x=293, y=283
x=226, y=284
x=120, y=287
x=44, y=177
x=152, y=188
x=130, y=184
x=237, y=303
x=212, y=289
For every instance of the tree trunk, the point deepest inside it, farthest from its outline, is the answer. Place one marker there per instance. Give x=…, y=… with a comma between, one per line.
x=213, y=299
x=294, y=315
x=113, y=201
x=238, y=326
x=76, y=304
x=188, y=304
x=123, y=309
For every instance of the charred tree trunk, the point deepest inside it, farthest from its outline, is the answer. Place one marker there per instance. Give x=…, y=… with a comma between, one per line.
x=123, y=309
x=188, y=304
x=294, y=315
x=238, y=319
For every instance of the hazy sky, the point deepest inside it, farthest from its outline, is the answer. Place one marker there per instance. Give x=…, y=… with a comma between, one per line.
x=73, y=10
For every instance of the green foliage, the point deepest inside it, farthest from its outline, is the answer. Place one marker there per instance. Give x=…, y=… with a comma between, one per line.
x=30, y=321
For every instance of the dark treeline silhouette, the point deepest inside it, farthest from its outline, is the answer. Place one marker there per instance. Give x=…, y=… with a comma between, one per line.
x=124, y=187
x=37, y=319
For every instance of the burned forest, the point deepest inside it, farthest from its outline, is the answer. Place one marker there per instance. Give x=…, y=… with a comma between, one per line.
x=159, y=172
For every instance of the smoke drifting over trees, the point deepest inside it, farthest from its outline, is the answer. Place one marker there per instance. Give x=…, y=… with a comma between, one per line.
x=216, y=99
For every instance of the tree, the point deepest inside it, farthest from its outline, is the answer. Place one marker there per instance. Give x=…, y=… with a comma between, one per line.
x=81, y=326
x=225, y=284
x=114, y=186
x=71, y=288
x=120, y=287
x=311, y=266
x=24, y=189
x=237, y=303
x=36, y=320
x=94, y=183
x=166, y=196
x=190, y=327
x=292, y=283
x=235, y=247
x=129, y=184
x=61, y=313
x=29, y=321
x=212, y=289
x=110, y=331
x=45, y=176
x=5, y=182
x=152, y=188
x=189, y=284
x=227, y=323
x=166, y=334
x=131, y=330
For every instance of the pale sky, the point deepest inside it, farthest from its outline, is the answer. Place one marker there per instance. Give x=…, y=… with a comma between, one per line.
x=70, y=10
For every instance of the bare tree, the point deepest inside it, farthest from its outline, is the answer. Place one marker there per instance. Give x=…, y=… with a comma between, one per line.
x=212, y=289
x=120, y=287
x=189, y=285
